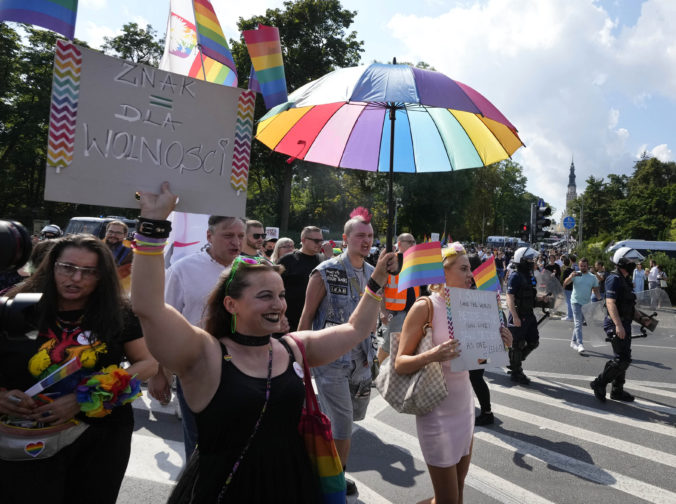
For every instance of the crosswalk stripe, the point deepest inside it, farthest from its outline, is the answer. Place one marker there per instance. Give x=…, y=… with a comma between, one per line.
x=634, y=384
x=367, y=494
x=522, y=393
x=606, y=477
x=155, y=459
x=641, y=403
x=593, y=437
x=481, y=480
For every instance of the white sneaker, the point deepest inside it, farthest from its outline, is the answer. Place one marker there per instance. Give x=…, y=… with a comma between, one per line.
x=566, y=318
x=574, y=346
x=580, y=349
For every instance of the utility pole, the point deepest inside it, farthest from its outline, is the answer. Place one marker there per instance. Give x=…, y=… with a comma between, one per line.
x=581, y=214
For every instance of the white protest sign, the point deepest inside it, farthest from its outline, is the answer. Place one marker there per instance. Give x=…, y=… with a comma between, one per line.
x=434, y=237
x=476, y=324
x=271, y=233
x=117, y=127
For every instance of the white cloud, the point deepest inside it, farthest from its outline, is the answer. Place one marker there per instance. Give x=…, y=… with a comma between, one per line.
x=94, y=33
x=93, y=4
x=661, y=152
x=533, y=59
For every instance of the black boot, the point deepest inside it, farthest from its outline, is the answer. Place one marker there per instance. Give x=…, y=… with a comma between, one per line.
x=515, y=359
x=599, y=388
x=619, y=394
x=485, y=418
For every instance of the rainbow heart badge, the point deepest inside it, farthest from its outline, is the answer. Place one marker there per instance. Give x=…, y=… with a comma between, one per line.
x=35, y=448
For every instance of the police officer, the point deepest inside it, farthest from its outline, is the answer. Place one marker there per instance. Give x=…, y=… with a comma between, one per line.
x=522, y=298
x=620, y=302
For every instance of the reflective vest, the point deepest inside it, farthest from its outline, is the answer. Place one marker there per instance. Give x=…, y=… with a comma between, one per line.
x=395, y=300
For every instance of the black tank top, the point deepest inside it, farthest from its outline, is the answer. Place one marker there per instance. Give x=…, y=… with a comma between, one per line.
x=276, y=465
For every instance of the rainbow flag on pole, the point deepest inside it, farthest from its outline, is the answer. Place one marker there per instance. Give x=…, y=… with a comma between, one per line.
x=265, y=50
x=55, y=15
x=210, y=35
x=59, y=374
x=423, y=265
x=486, y=276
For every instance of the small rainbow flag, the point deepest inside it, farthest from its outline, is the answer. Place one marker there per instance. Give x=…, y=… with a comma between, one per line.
x=210, y=35
x=59, y=374
x=265, y=50
x=423, y=265
x=486, y=276
x=55, y=15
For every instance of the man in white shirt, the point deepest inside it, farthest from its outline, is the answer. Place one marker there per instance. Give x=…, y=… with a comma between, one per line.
x=188, y=284
x=653, y=275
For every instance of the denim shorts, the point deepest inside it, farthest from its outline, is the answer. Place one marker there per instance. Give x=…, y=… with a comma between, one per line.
x=344, y=393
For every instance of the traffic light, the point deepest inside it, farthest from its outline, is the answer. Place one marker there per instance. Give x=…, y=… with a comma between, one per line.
x=541, y=222
x=525, y=232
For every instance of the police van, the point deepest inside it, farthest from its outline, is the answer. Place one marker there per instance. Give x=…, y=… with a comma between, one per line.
x=646, y=247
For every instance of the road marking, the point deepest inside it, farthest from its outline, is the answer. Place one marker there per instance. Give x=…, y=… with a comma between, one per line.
x=630, y=383
x=155, y=459
x=542, y=399
x=643, y=404
x=481, y=480
x=612, y=479
x=366, y=494
x=593, y=437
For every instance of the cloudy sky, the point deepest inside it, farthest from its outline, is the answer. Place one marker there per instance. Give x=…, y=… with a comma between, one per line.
x=593, y=81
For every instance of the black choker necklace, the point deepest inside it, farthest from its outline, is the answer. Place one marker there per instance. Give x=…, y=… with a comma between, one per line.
x=245, y=340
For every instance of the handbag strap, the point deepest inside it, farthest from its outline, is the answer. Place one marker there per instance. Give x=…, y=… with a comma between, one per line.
x=311, y=404
x=430, y=313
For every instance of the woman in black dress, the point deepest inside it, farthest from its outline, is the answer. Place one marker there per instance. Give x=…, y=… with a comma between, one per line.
x=249, y=449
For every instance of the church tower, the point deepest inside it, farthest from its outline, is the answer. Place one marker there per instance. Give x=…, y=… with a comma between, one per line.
x=572, y=188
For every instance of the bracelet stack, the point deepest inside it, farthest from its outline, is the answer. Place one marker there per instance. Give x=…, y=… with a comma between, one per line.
x=145, y=245
x=373, y=285
x=370, y=292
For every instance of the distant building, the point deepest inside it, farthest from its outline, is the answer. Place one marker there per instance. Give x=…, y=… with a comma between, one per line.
x=572, y=188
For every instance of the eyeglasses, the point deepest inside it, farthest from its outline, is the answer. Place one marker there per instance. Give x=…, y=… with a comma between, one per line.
x=258, y=236
x=69, y=270
x=115, y=233
x=235, y=266
x=317, y=241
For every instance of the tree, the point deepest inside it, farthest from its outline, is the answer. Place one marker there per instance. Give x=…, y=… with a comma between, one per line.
x=136, y=44
x=314, y=42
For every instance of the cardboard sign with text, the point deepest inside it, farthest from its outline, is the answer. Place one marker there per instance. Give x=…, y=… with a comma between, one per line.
x=476, y=324
x=117, y=127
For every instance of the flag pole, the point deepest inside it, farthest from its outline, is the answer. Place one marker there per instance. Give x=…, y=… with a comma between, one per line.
x=204, y=73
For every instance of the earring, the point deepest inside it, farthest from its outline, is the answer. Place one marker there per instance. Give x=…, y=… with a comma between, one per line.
x=233, y=323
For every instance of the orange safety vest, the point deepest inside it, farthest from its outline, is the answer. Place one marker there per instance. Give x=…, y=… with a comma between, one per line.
x=395, y=300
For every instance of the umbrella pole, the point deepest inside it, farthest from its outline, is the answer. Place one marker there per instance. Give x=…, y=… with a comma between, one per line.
x=390, y=197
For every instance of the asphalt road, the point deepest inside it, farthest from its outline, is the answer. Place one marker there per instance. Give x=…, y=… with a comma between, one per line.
x=552, y=442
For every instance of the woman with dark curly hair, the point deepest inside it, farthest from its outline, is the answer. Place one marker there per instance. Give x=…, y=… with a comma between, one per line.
x=79, y=429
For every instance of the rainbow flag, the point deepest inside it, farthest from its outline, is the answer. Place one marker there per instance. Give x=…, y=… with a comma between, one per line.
x=423, y=265
x=59, y=374
x=486, y=276
x=210, y=35
x=55, y=15
x=254, y=85
x=265, y=50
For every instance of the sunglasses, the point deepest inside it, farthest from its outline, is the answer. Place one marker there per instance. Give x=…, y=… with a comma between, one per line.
x=258, y=236
x=235, y=266
x=69, y=270
x=318, y=241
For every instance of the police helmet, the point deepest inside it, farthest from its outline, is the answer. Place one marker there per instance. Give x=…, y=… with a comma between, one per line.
x=627, y=255
x=51, y=231
x=525, y=254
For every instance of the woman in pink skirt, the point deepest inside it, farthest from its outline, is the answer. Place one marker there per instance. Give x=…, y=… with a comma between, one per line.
x=445, y=433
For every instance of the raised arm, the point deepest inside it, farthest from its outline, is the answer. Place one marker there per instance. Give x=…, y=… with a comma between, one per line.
x=172, y=340
x=328, y=344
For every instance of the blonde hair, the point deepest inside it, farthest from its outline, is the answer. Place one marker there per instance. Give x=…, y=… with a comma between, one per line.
x=449, y=255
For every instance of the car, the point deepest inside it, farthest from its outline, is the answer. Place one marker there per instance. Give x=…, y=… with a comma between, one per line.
x=97, y=225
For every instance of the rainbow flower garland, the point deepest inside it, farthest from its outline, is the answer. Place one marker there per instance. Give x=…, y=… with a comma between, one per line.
x=100, y=392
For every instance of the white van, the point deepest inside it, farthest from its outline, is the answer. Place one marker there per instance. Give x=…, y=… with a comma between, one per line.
x=646, y=247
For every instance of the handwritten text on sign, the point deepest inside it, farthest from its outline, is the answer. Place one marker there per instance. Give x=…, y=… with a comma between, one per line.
x=136, y=126
x=476, y=325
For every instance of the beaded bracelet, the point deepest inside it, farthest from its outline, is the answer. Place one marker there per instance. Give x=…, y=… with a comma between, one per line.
x=370, y=292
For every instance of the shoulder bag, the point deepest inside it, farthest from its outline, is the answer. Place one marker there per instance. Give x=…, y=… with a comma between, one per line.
x=417, y=393
x=315, y=428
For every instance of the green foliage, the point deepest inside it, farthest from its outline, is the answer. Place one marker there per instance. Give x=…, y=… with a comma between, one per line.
x=136, y=44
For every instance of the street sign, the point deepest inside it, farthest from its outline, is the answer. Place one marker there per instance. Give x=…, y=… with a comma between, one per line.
x=569, y=222
x=541, y=203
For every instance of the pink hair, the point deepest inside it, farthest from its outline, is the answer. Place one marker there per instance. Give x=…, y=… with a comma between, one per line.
x=363, y=213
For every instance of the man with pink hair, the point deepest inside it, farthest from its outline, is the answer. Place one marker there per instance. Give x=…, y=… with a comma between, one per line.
x=334, y=290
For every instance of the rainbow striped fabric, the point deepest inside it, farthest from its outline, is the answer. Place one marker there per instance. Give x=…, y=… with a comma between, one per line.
x=265, y=50
x=486, y=276
x=55, y=15
x=59, y=374
x=210, y=35
x=422, y=265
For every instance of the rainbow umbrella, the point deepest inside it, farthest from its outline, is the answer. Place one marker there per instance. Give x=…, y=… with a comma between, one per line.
x=350, y=118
